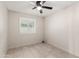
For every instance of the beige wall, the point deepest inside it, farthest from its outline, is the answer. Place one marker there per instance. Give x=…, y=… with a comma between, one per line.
x=3, y=29
x=16, y=39
x=62, y=29
x=75, y=30
x=57, y=28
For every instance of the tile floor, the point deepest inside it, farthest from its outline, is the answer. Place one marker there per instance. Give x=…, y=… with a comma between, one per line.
x=38, y=51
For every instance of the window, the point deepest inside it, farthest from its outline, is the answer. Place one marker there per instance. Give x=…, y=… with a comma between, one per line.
x=27, y=25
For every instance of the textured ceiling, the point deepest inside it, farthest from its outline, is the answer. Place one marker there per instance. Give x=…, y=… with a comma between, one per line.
x=26, y=6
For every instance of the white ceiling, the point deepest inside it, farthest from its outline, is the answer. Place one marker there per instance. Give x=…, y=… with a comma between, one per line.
x=26, y=6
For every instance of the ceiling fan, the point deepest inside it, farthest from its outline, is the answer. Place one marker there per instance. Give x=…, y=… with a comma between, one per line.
x=40, y=5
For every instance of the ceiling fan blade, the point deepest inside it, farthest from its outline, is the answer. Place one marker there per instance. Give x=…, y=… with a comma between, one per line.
x=43, y=2
x=46, y=7
x=34, y=8
x=41, y=11
x=38, y=3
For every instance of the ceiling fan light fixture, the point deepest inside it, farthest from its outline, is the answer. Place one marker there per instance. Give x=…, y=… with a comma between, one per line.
x=39, y=8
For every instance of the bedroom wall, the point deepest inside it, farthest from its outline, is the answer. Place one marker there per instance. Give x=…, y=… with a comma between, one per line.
x=56, y=27
x=16, y=39
x=62, y=29
x=75, y=30
x=3, y=29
